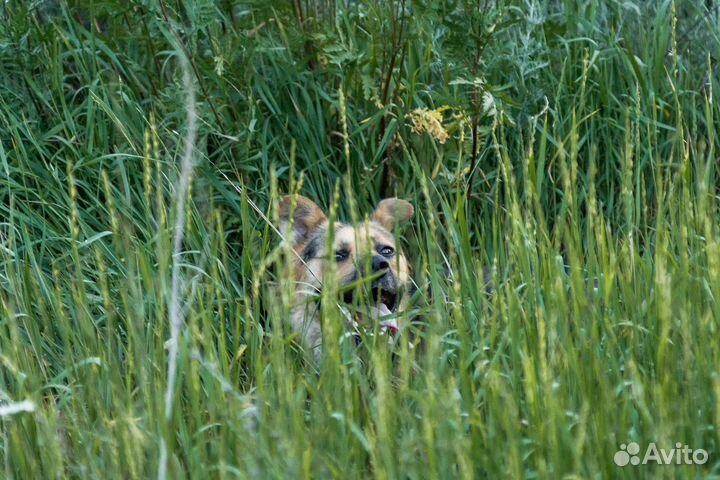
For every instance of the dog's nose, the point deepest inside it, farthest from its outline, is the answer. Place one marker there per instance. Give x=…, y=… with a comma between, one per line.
x=379, y=263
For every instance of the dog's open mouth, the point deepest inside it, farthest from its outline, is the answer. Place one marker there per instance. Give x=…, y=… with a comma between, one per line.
x=384, y=307
x=383, y=311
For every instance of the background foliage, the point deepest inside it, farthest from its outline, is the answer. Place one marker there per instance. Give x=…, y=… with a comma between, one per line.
x=566, y=147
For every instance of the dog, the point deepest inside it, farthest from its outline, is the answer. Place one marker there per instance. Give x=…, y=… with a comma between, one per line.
x=365, y=253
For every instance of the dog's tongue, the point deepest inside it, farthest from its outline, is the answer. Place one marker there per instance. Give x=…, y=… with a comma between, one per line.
x=389, y=325
x=379, y=311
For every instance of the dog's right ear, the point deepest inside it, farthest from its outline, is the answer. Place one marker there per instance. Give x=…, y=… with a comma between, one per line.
x=392, y=211
x=306, y=217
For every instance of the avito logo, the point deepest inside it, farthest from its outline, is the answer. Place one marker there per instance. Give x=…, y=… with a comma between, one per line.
x=680, y=455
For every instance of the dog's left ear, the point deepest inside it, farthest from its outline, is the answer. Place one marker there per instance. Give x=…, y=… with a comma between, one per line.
x=392, y=211
x=305, y=216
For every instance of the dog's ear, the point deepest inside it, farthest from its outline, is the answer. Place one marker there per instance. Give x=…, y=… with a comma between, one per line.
x=306, y=217
x=392, y=211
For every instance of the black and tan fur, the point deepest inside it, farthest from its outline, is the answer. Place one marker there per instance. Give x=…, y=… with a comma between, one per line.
x=369, y=245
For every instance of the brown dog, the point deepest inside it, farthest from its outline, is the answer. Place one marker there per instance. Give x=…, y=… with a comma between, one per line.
x=358, y=252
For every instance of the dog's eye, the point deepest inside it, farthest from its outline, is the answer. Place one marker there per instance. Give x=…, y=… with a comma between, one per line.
x=341, y=255
x=386, y=251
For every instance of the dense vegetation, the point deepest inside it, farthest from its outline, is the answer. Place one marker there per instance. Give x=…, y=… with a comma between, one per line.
x=568, y=148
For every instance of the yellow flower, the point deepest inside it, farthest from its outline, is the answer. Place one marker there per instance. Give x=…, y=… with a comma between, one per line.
x=424, y=120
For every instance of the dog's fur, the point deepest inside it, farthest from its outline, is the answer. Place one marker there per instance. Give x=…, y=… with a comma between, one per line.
x=355, y=248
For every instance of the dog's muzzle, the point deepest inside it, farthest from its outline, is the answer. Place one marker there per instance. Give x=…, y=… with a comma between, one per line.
x=384, y=294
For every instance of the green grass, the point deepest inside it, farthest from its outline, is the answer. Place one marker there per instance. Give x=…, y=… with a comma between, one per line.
x=580, y=169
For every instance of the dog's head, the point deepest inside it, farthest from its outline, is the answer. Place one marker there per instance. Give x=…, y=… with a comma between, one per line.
x=365, y=254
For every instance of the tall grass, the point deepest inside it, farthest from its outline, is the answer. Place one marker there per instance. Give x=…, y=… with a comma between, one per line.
x=568, y=149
